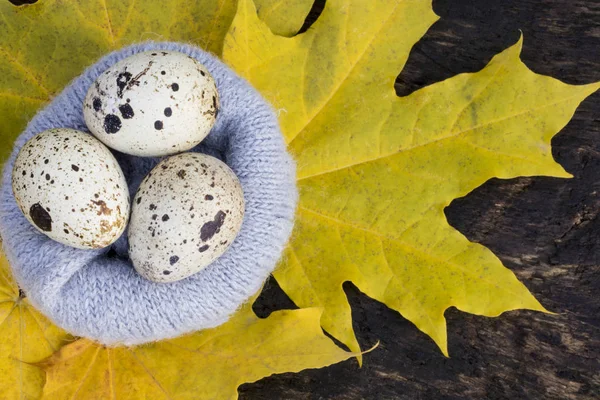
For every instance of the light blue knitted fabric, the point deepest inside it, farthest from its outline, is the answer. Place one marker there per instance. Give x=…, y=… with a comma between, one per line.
x=97, y=293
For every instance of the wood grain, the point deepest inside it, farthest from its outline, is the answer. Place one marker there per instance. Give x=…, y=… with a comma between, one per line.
x=546, y=230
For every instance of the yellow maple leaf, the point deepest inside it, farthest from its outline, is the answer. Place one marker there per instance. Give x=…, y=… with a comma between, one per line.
x=375, y=170
x=45, y=45
x=36, y=355
x=210, y=364
x=42, y=47
x=26, y=337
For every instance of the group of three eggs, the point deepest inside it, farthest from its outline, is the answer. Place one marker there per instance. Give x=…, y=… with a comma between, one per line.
x=187, y=210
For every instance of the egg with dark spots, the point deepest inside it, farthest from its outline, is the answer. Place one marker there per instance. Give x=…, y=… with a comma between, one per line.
x=152, y=104
x=187, y=211
x=77, y=196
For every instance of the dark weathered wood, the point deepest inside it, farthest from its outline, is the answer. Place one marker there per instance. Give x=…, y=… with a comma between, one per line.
x=546, y=230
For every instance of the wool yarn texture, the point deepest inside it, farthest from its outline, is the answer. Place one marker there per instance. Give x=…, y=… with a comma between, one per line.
x=97, y=293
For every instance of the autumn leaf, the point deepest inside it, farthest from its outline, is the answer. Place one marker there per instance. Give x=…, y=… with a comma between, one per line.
x=45, y=45
x=207, y=364
x=375, y=171
x=26, y=337
x=210, y=364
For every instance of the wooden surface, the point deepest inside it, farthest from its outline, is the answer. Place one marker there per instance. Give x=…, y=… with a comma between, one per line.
x=546, y=230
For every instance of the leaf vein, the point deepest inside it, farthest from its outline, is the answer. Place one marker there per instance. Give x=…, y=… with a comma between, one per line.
x=27, y=71
x=440, y=139
x=87, y=372
x=150, y=374
x=348, y=73
x=406, y=245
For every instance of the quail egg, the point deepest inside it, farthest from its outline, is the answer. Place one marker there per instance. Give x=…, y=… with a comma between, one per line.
x=185, y=214
x=71, y=188
x=153, y=103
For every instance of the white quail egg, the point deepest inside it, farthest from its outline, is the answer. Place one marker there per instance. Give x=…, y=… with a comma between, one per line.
x=185, y=214
x=71, y=188
x=153, y=103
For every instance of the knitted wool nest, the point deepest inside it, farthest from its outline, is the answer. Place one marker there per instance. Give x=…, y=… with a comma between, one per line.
x=97, y=293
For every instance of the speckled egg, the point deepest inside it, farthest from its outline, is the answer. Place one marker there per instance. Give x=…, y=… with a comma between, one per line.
x=71, y=188
x=153, y=103
x=185, y=214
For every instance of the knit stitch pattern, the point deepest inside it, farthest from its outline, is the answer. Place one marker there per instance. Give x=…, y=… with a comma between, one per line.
x=97, y=293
